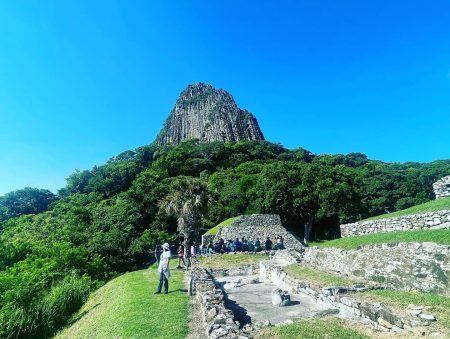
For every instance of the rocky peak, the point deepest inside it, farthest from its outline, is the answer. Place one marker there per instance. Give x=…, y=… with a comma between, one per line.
x=208, y=114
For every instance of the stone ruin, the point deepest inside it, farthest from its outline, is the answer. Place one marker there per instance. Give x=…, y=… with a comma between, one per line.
x=441, y=187
x=258, y=226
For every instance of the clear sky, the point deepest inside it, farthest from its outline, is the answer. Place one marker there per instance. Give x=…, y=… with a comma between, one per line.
x=81, y=81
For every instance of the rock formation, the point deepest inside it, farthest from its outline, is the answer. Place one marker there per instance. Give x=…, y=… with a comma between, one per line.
x=205, y=113
x=441, y=187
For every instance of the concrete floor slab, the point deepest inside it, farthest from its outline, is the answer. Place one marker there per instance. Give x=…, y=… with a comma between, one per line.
x=253, y=303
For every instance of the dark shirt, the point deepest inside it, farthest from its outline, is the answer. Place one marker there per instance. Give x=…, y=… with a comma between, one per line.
x=268, y=244
x=238, y=245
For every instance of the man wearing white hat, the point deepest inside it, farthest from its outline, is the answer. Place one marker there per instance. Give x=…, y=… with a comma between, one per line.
x=164, y=269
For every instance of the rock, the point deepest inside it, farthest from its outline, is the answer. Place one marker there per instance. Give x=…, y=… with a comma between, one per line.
x=211, y=314
x=205, y=113
x=384, y=323
x=220, y=319
x=429, y=317
x=415, y=313
x=280, y=297
x=396, y=329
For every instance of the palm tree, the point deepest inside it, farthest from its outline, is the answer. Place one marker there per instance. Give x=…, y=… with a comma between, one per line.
x=187, y=201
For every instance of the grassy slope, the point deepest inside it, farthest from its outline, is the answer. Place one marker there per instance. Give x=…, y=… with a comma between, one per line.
x=430, y=206
x=225, y=223
x=319, y=277
x=311, y=329
x=436, y=236
x=127, y=308
x=231, y=260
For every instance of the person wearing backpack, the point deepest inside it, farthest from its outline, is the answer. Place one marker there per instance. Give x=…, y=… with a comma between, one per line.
x=164, y=269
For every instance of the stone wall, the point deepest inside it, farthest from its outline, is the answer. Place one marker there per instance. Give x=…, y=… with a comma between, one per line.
x=218, y=320
x=441, y=187
x=430, y=220
x=406, y=266
x=259, y=226
x=344, y=300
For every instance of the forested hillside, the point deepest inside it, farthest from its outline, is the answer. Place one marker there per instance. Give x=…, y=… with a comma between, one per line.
x=55, y=249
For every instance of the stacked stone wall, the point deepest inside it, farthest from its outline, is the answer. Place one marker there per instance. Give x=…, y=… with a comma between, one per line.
x=259, y=226
x=218, y=320
x=441, y=187
x=413, y=222
x=344, y=300
x=421, y=267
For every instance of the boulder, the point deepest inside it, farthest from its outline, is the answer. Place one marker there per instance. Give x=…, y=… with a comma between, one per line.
x=280, y=297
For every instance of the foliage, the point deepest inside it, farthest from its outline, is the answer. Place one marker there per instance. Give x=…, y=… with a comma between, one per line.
x=436, y=236
x=107, y=220
x=187, y=201
x=25, y=201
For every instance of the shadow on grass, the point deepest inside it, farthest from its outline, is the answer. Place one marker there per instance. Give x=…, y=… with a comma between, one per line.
x=80, y=315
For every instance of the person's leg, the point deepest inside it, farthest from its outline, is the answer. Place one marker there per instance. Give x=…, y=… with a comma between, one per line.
x=166, y=284
x=161, y=277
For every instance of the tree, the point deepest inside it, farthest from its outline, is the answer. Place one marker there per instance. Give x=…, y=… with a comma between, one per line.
x=187, y=201
x=323, y=192
x=26, y=201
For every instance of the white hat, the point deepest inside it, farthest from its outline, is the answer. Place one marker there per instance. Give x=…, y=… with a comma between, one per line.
x=165, y=246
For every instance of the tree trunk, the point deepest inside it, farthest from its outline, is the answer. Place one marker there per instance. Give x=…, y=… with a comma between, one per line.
x=308, y=228
x=187, y=250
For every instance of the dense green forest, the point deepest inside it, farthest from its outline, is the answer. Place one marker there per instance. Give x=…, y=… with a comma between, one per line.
x=55, y=249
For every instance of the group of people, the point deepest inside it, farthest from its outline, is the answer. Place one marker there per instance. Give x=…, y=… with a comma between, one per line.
x=163, y=254
x=242, y=245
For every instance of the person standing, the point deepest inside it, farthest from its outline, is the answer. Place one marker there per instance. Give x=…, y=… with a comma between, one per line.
x=268, y=244
x=164, y=269
x=181, y=256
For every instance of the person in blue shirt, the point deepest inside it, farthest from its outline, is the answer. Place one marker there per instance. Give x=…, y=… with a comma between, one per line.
x=237, y=245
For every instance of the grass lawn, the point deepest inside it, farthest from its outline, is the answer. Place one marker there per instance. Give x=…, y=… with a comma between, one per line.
x=215, y=229
x=325, y=328
x=437, y=236
x=319, y=277
x=440, y=305
x=430, y=206
x=127, y=308
x=231, y=260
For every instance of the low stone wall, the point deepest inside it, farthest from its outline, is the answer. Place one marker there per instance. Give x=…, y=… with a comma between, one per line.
x=219, y=321
x=343, y=300
x=259, y=226
x=441, y=187
x=413, y=222
x=407, y=266
x=207, y=238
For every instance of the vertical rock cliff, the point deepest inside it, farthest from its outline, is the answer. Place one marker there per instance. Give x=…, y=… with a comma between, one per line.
x=205, y=113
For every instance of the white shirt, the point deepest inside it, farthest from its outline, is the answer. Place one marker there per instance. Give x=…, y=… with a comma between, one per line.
x=164, y=262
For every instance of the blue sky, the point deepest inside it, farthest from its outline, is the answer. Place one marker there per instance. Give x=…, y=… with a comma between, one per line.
x=81, y=81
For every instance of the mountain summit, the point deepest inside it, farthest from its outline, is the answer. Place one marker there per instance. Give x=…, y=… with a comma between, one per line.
x=205, y=113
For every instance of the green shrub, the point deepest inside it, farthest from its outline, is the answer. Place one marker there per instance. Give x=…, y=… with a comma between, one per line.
x=63, y=300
